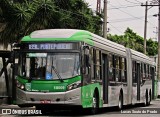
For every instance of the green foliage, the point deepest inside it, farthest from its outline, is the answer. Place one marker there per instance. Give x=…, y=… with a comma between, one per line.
x=22, y=17
x=16, y=16
x=152, y=47
x=131, y=40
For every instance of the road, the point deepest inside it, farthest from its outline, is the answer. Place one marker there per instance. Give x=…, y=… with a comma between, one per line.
x=152, y=110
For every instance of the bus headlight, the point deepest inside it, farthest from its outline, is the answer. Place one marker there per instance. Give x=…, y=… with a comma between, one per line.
x=74, y=85
x=20, y=85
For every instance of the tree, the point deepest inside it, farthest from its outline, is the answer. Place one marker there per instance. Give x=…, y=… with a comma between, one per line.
x=21, y=17
x=131, y=40
x=152, y=47
x=16, y=16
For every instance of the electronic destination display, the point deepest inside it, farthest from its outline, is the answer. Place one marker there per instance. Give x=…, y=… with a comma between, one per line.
x=50, y=46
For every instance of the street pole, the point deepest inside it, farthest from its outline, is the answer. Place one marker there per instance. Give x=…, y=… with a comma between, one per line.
x=98, y=10
x=105, y=20
x=158, y=67
x=145, y=27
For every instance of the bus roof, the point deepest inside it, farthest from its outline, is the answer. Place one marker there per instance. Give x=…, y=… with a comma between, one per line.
x=51, y=35
x=141, y=57
x=64, y=35
x=55, y=33
x=68, y=35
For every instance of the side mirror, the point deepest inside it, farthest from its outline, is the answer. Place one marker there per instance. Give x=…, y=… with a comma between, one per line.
x=16, y=45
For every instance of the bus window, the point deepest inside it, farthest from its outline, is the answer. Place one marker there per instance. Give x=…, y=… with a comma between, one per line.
x=141, y=74
x=41, y=65
x=110, y=58
x=123, y=69
x=134, y=71
x=66, y=64
x=148, y=72
x=97, y=57
x=92, y=63
x=86, y=57
x=117, y=68
x=98, y=65
x=33, y=65
x=144, y=76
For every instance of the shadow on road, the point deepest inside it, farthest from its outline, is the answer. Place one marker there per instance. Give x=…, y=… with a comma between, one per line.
x=84, y=112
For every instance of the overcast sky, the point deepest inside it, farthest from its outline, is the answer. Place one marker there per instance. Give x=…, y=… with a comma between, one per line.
x=129, y=13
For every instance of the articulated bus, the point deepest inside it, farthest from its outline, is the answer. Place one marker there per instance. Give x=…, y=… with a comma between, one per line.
x=69, y=67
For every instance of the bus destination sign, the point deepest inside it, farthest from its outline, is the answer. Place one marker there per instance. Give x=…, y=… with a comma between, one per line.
x=49, y=46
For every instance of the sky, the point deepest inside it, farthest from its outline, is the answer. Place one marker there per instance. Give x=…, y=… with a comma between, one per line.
x=129, y=13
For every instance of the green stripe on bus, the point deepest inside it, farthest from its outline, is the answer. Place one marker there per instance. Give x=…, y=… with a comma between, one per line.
x=83, y=36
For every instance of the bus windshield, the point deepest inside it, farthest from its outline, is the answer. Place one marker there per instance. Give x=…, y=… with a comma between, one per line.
x=49, y=66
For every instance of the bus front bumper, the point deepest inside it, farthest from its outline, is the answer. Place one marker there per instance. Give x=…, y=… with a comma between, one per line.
x=72, y=97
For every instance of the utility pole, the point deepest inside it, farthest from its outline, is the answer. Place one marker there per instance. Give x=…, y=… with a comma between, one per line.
x=156, y=33
x=158, y=66
x=158, y=42
x=98, y=6
x=145, y=27
x=105, y=20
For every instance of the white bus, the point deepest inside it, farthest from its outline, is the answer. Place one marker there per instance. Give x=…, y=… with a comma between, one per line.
x=107, y=74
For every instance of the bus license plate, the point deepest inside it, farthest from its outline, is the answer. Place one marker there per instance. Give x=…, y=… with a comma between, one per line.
x=45, y=101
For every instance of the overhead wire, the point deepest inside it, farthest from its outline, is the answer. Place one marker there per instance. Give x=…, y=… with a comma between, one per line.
x=117, y=20
x=138, y=1
x=132, y=15
x=131, y=2
x=126, y=19
x=128, y=13
x=116, y=28
x=122, y=7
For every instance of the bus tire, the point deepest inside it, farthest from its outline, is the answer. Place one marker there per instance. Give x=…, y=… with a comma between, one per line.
x=146, y=99
x=149, y=98
x=120, y=102
x=95, y=104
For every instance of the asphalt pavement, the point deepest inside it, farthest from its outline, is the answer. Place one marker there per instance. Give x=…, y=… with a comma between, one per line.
x=153, y=110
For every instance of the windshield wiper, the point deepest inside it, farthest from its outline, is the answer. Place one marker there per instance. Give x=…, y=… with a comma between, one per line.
x=60, y=78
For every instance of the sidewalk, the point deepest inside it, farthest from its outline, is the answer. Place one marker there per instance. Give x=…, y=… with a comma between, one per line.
x=157, y=99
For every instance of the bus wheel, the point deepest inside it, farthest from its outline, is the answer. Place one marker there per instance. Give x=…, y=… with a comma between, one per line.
x=95, y=104
x=149, y=98
x=120, y=102
x=146, y=99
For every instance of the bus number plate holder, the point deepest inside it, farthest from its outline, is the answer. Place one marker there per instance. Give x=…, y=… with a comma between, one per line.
x=45, y=101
